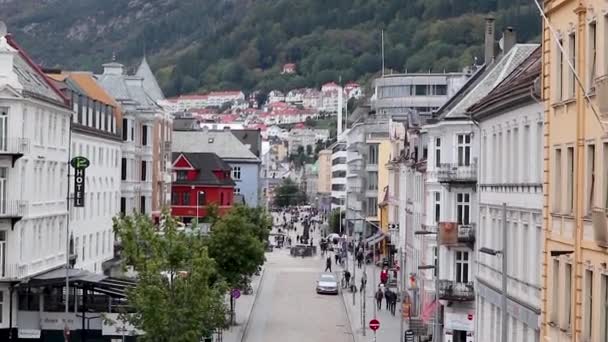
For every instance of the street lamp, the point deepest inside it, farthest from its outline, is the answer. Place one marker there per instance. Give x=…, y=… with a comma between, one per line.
x=198, y=193
x=436, y=268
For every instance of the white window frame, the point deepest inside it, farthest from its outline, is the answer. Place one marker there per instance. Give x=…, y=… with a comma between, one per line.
x=236, y=172
x=463, y=143
x=460, y=261
x=463, y=205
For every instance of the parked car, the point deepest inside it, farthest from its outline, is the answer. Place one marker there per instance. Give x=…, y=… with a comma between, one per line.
x=327, y=284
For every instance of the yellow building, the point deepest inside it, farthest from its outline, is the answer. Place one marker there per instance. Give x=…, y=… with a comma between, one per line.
x=324, y=182
x=575, y=275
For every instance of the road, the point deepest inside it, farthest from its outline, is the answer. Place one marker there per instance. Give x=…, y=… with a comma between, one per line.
x=287, y=307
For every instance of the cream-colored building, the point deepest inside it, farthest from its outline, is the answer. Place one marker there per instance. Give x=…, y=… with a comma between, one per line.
x=574, y=269
x=324, y=182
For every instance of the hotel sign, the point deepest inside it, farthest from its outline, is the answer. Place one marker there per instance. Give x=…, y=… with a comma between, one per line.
x=79, y=164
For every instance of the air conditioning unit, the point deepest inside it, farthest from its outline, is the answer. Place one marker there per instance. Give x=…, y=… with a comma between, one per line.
x=600, y=226
x=601, y=88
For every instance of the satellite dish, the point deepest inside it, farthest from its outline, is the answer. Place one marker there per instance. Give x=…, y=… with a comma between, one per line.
x=3, y=29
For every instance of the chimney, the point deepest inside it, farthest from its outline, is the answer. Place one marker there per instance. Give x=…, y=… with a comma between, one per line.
x=509, y=39
x=134, y=81
x=489, y=41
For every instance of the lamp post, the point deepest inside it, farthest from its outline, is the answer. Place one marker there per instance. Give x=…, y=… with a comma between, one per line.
x=436, y=331
x=198, y=193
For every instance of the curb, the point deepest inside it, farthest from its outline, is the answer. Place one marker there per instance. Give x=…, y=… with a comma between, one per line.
x=350, y=324
x=255, y=300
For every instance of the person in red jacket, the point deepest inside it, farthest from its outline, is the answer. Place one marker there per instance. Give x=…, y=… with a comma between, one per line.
x=384, y=275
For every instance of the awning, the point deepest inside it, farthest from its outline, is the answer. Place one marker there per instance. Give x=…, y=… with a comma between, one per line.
x=375, y=239
x=114, y=287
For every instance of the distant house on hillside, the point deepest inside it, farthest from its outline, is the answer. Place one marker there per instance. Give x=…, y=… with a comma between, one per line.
x=289, y=68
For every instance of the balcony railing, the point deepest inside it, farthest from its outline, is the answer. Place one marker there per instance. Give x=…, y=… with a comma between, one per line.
x=15, y=147
x=452, y=172
x=455, y=291
x=455, y=234
x=13, y=209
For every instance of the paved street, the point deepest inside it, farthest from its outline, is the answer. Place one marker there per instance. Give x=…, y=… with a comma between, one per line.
x=287, y=307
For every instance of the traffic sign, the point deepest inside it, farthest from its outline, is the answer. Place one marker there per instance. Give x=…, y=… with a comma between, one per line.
x=374, y=324
x=235, y=293
x=470, y=317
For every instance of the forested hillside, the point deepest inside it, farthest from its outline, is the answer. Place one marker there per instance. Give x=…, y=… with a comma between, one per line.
x=223, y=44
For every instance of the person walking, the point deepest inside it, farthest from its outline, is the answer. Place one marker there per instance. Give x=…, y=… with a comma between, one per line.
x=359, y=258
x=387, y=297
x=393, y=302
x=328, y=264
x=347, y=278
x=379, y=296
x=384, y=276
x=363, y=281
x=298, y=238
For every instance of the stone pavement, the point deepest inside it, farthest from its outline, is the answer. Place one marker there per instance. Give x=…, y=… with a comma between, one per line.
x=244, y=307
x=389, y=325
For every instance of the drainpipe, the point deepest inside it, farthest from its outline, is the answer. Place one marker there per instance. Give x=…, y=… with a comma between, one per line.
x=10, y=313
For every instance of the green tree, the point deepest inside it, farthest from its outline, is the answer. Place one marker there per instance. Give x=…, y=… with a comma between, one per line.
x=262, y=222
x=288, y=193
x=334, y=221
x=178, y=296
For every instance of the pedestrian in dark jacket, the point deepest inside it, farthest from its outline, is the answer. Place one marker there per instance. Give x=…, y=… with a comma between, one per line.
x=328, y=264
x=379, y=296
x=387, y=297
x=393, y=303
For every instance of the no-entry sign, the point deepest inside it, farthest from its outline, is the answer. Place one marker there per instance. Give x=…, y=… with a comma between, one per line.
x=374, y=324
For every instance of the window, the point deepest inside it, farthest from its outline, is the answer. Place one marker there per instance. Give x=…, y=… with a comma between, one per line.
x=372, y=206
x=437, y=207
x=558, y=181
x=372, y=180
x=236, y=172
x=567, y=322
x=438, y=152
x=202, y=200
x=570, y=180
x=144, y=170
x=421, y=89
x=97, y=244
x=588, y=305
x=592, y=53
x=560, y=71
x=572, y=56
x=435, y=260
x=123, y=205
x=590, y=182
x=464, y=149
x=237, y=191
x=221, y=198
x=123, y=169
x=462, y=267
x=463, y=207
x=142, y=204
x=373, y=154
x=441, y=89
x=182, y=175
x=125, y=129
x=186, y=198
x=144, y=135
x=175, y=198
x=604, y=308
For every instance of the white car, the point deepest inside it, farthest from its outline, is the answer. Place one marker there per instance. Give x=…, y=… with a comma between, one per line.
x=327, y=284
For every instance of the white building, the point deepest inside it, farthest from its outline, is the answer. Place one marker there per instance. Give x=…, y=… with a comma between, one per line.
x=451, y=189
x=276, y=96
x=218, y=98
x=338, y=174
x=139, y=118
x=34, y=152
x=95, y=135
x=511, y=125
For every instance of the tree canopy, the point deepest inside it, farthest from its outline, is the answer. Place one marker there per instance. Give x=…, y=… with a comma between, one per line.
x=179, y=295
x=289, y=193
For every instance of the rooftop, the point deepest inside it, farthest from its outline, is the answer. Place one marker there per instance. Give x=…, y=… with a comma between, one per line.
x=223, y=143
x=206, y=164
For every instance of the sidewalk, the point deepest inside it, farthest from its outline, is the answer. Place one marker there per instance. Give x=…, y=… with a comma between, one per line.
x=359, y=321
x=243, y=309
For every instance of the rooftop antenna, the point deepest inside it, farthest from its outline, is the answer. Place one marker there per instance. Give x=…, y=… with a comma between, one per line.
x=382, y=53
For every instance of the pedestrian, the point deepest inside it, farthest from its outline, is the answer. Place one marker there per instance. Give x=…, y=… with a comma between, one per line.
x=337, y=257
x=328, y=264
x=393, y=302
x=311, y=242
x=298, y=238
x=379, y=296
x=347, y=278
x=359, y=258
x=363, y=281
x=384, y=275
x=387, y=297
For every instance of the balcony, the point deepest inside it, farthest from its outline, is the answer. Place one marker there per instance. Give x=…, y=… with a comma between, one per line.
x=453, y=291
x=454, y=234
x=454, y=173
x=13, y=210
x=14, y=147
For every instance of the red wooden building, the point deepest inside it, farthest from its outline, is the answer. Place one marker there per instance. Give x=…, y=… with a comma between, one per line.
x=199, y=180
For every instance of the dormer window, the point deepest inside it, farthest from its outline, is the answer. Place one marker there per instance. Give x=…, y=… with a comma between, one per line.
x=182, y=175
